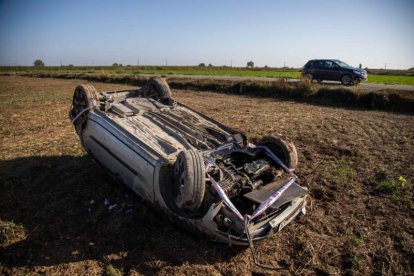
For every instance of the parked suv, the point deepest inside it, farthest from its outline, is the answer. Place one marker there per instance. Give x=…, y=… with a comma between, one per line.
x=333, y=70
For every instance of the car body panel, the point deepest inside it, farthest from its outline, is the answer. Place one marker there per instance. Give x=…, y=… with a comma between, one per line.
x=137, y=140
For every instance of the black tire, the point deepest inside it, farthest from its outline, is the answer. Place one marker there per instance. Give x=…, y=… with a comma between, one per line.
x=189, y=180
x=158, y=89
x=346, y=80
x=84, y=96
x=286, y=151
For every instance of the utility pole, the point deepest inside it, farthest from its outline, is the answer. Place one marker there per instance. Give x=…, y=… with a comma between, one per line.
x=60, y=63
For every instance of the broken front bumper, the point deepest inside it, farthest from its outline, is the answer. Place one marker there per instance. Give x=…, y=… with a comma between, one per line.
x=265, y=228
x=287, y=198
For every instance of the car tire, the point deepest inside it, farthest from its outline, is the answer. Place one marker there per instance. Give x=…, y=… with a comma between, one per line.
x=286, y=151
x=159, y=89
x=189, y=180
x=85, y=97
x=346, y=80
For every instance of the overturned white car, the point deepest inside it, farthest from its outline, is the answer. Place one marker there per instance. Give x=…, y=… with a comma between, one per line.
x=192, y=168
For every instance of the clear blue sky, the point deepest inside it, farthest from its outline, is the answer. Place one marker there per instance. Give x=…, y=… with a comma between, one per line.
x=100, y=32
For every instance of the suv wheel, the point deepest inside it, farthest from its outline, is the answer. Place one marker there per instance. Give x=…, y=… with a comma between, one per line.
x=346, y=80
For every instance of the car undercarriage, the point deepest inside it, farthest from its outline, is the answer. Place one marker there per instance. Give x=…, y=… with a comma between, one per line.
x=190, y=167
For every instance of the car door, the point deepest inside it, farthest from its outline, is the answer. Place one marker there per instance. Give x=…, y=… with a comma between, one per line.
x=122, y=156
x=335, y=72
x=317, y=69
x=329, y=72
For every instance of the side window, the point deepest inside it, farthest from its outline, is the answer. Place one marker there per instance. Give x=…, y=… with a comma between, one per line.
x=318, y=63
x=328, y=64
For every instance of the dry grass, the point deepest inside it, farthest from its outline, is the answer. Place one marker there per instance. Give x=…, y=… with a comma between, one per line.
x=48, y=184
x=302, y=91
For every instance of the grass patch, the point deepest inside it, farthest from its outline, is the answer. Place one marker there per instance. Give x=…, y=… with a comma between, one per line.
x=358, y=240
x=398, y=189
x=344, y=172
x=385, y=79
x=355, y=261
x=112, y=271
x=10, y=231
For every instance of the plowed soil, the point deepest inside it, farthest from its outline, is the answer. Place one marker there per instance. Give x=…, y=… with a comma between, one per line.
x=358, y=165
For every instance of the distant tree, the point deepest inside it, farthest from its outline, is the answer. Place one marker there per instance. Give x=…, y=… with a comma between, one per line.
x=266, y=66
x=250, y=64
x=201, y=65
x=115, y=64
x=411, y=69
x=38, y=63
x=120, y=65
x=71, y=65
x=210, y=65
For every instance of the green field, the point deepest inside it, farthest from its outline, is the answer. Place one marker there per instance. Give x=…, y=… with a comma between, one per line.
x=229, y=72
x=384, y=79
x=403, y=80
x=389, y=77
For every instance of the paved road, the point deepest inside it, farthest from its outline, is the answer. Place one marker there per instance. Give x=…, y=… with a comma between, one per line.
x=365, y=86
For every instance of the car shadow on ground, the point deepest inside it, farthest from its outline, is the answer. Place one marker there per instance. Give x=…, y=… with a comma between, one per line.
x=60, y=202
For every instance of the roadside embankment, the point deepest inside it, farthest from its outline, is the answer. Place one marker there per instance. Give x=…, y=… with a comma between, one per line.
x=302, y=91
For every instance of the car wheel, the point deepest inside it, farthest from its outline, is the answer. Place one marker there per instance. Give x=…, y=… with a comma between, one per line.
x=189, y=180
x=85, y=98
x=286, y=151
x=346, y=80
x=158, y=89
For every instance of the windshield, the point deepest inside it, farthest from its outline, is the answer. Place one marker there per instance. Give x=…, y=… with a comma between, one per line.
x=343, y=64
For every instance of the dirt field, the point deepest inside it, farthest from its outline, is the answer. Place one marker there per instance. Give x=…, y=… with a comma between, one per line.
x=358, y=165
